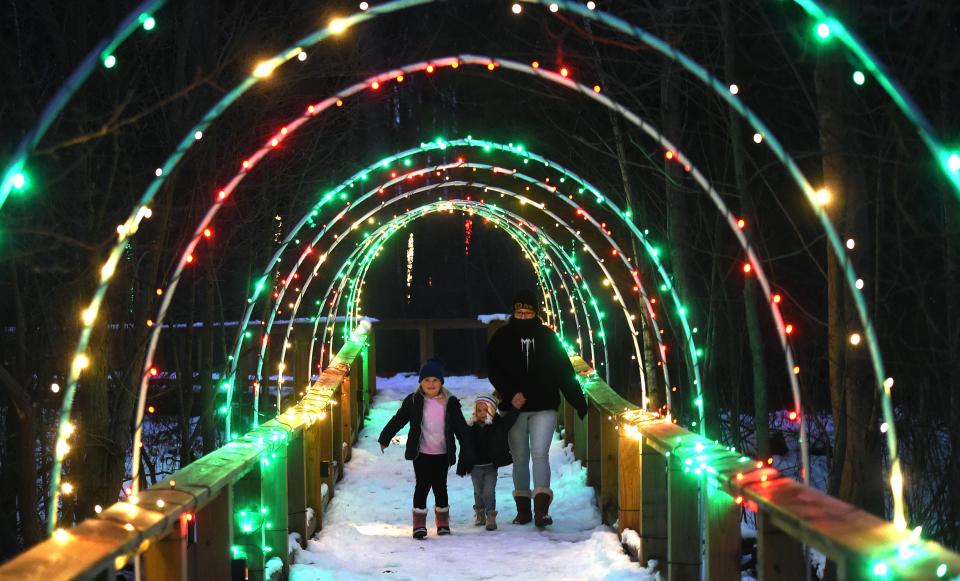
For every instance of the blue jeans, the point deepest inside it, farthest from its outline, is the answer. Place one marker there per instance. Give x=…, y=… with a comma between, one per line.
x=484, y=487
x=531, y=436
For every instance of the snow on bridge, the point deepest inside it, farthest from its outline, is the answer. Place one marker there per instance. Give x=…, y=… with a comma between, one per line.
x=367, y=527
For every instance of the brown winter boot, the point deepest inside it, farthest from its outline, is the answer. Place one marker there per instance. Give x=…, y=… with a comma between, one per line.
x=419, y=523
x=491, y=520
x=479, y=518
x=523, y=508
x=541, y=506
x=443, y=520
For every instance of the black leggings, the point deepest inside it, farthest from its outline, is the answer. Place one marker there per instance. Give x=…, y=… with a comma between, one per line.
x=431, y=471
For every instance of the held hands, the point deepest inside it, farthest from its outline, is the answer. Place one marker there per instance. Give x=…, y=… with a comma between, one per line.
x=518, y=401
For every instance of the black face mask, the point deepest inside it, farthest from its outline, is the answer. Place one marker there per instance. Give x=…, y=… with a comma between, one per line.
x=526, y=325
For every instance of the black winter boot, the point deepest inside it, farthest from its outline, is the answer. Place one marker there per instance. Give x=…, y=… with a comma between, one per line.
x=523, y=508
x=541, y=506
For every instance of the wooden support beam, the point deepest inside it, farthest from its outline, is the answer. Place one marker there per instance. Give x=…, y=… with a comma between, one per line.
x=569, y=423
x=347, y=406
x=722, y=535
x=313, y=479
x=336, y=457
x=653, y=504
x=297, y=487
x=580, y=438
x=166, y=558
x=683, y=526
x=628, y=484
x=594, y=426
x=609, y=469
x=209, y=557
x=248, y=524
x=779, y=556
x=273, y=499
x=370, y=361
x=329, y=429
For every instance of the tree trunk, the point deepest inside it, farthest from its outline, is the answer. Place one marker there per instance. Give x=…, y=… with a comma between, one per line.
x=761, y=413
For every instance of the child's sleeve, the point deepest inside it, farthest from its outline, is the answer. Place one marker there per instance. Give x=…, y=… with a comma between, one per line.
x=398, y=420
x=465, y=435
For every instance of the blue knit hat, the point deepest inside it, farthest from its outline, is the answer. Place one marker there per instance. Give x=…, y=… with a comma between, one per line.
x=432, y=368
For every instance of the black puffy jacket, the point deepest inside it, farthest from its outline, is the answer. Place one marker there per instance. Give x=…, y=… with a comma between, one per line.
x=490, y=444
x=411, y=411
x=524, y=356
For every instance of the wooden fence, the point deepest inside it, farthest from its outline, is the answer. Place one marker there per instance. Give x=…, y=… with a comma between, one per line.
x=226, y=515
x=684, y=496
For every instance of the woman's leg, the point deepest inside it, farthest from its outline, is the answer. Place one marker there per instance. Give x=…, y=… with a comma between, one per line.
x=542, y=425
x=519, y=439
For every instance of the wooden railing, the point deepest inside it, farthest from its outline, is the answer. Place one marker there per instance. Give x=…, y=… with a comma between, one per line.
x=684, y=496
x=226, y=515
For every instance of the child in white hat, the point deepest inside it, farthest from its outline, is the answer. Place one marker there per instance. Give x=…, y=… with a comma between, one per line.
x=490, y=451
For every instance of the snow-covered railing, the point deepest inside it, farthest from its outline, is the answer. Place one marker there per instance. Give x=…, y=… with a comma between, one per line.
x=228, y=515
x=683, y=496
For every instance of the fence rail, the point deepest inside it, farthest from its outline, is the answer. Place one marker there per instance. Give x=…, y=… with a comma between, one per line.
x=226, y=515
x=664, y=482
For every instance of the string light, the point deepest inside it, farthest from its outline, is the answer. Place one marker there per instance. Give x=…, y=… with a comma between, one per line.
x=734, y=89
x=859, y=78
x=822, y=197
x=823, y=31
x=338, y=25
x=109, y=61
x=55, y=387
x=516, y=8
x=554, y=7
x=855, y=339
x=364, y=6
x=758, y=138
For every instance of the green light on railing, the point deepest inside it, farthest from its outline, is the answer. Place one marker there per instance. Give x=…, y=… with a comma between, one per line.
x=698, y=401
x=223, y=410
x=953, y=162
x=880, y=569
x=859, y=78
x=109, y=61
x=149, y=23
x=942, y=570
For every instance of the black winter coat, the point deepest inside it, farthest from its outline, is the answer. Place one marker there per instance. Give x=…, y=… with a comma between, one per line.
x=524, y=356
x=411, y=411
x=490, y=444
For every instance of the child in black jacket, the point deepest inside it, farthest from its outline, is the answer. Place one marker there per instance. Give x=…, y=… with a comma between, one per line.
x=435, y=418
x=490, y=451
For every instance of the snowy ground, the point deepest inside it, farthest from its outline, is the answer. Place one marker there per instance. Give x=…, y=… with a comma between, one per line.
x=367, y=530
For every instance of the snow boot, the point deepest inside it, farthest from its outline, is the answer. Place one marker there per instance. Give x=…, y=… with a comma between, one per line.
x=443, y=520
x=541, y=506
x=523, y=508
x=491, y=520
x=419, y=523
x=479, y=518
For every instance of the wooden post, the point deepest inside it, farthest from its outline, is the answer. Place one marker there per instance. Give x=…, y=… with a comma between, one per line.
x=653, y=504
x=580, y=438
x=628, y=484
x=314, y=481
x=426, y=343
x=346, y=414
x=609, y=469
x=273, y=499
x=329, y=430
x=722, y=535
x=370, y=361
x=779, y=556
x=336, y=425
x=569, y=423
x=210, y=556
x=683, y=531
x=297, y=486
x=356, y=380
x=594, y=425
x=167, y=557
x=247, y=528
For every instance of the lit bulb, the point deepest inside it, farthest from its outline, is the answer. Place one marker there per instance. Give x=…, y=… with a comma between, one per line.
x=822, y=197
x=591, y=5
x=109, y=61
x=859, y=78
x=265, y=69
x=160, y=503
x=97, y=509
x=554, y=7
x=158, y=172
x=80, y=362
x=63, y=449
x=198, y=135
x=89, y=315
x=364, y=6
x=953, y=162
x=851, y=244
x=67, y=488
x=757, y=138
x=61, y=535
x=859, y=284
x=734, y=89
x=884, y=427
x=855, y=339
x=108, y=269
x=302, y=56
x=55, y=387
x=69, y=429
x=516, y=8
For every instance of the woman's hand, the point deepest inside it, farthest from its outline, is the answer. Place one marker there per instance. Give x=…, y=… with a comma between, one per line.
x=518, y=401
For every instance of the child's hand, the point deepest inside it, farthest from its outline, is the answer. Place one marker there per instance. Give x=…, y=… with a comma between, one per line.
x=518, y=400
x=382, y=448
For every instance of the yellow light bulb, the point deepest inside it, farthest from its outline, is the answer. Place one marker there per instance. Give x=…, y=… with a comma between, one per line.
x=63, y=449
x=855, y=339
x=822, y=197
x=264, y=69
x=67, y=488
x=81, y=362
x=338, y=25
x=89, y=315
x=61, y=536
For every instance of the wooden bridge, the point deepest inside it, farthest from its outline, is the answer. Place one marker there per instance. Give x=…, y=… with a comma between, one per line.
x=229, y=514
